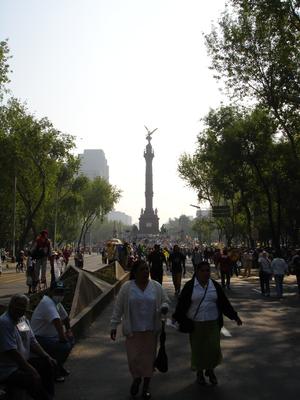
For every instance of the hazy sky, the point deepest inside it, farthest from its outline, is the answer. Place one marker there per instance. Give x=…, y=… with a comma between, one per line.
x=102, y=69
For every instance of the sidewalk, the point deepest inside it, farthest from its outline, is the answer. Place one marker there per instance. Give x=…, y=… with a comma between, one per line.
x=261, y=359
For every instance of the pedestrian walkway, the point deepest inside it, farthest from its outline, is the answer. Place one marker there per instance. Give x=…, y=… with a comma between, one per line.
x=261, y=358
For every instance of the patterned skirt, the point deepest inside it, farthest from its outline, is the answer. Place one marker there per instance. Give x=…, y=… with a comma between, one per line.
x=205, y=345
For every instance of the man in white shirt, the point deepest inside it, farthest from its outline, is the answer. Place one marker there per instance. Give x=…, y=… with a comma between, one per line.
x=265, y=273
x=18, y=369
x=51, y=326
x=279, y=267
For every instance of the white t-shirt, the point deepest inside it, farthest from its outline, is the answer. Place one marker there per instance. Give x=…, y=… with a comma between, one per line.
x=13, y=336
x=279, y=266
x=44, y=315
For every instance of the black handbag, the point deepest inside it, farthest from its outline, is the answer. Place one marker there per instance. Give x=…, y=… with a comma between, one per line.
x=161, y=361
x=186, y=325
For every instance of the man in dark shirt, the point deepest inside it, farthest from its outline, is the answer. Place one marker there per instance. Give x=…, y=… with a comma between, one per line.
x=177, y=265
x=225, y=268
x=296, y=267
x=156, y=259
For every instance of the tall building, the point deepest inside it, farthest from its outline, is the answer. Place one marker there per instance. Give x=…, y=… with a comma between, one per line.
x=119, y=216
x=94, y=164
x=149, y=221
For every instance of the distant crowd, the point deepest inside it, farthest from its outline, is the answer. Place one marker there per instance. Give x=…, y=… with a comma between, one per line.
x=227, y=261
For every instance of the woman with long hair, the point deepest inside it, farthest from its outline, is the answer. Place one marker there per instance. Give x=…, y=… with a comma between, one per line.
x=139, y=305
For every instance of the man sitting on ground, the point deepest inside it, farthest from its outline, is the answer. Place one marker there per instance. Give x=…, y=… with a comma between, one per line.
x=51, y=326
x=17, y=341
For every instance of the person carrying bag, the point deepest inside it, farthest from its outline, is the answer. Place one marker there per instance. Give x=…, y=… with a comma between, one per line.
x=199, y=312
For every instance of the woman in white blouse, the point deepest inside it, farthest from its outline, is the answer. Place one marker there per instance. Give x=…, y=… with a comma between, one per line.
x=139, y=306
x=202, y=304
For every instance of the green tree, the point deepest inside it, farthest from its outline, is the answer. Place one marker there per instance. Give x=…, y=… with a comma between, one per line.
x=33, y=151
x=98, y=198
x=255, y=50
x=102, y=230
x=246, y=167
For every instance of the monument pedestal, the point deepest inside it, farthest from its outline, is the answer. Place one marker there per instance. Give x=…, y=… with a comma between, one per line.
x=149, y=223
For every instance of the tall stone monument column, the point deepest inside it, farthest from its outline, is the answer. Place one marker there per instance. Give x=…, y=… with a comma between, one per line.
x=149, y=221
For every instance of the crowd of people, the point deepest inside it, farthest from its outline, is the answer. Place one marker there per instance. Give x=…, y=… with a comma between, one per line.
x=200, y=305
x=33, y=353
x=267, y=263
x=140, y=306
x=33, y=262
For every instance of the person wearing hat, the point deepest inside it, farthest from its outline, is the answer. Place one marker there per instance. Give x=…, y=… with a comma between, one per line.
x=51, y=326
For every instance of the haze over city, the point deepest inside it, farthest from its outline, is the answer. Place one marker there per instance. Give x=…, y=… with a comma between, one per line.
x=101, y=70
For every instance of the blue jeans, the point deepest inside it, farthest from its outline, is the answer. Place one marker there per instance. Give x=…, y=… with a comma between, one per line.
x=57, y=350
x=279, y=284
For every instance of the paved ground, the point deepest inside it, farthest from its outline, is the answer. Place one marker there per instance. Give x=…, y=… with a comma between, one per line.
x=261, y=358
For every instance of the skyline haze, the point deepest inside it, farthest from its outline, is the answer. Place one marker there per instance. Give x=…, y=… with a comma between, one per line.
x=101, y=70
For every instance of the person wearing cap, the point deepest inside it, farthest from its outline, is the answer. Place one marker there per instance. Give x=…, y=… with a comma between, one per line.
x=24, y=364
x=41, y=251
x=51, y=326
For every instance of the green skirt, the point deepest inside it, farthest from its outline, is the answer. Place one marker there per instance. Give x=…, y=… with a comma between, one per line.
x=205, y=345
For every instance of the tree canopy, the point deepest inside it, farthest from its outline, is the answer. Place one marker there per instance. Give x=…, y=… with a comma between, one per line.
x=38, y=160
x=247, y=154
